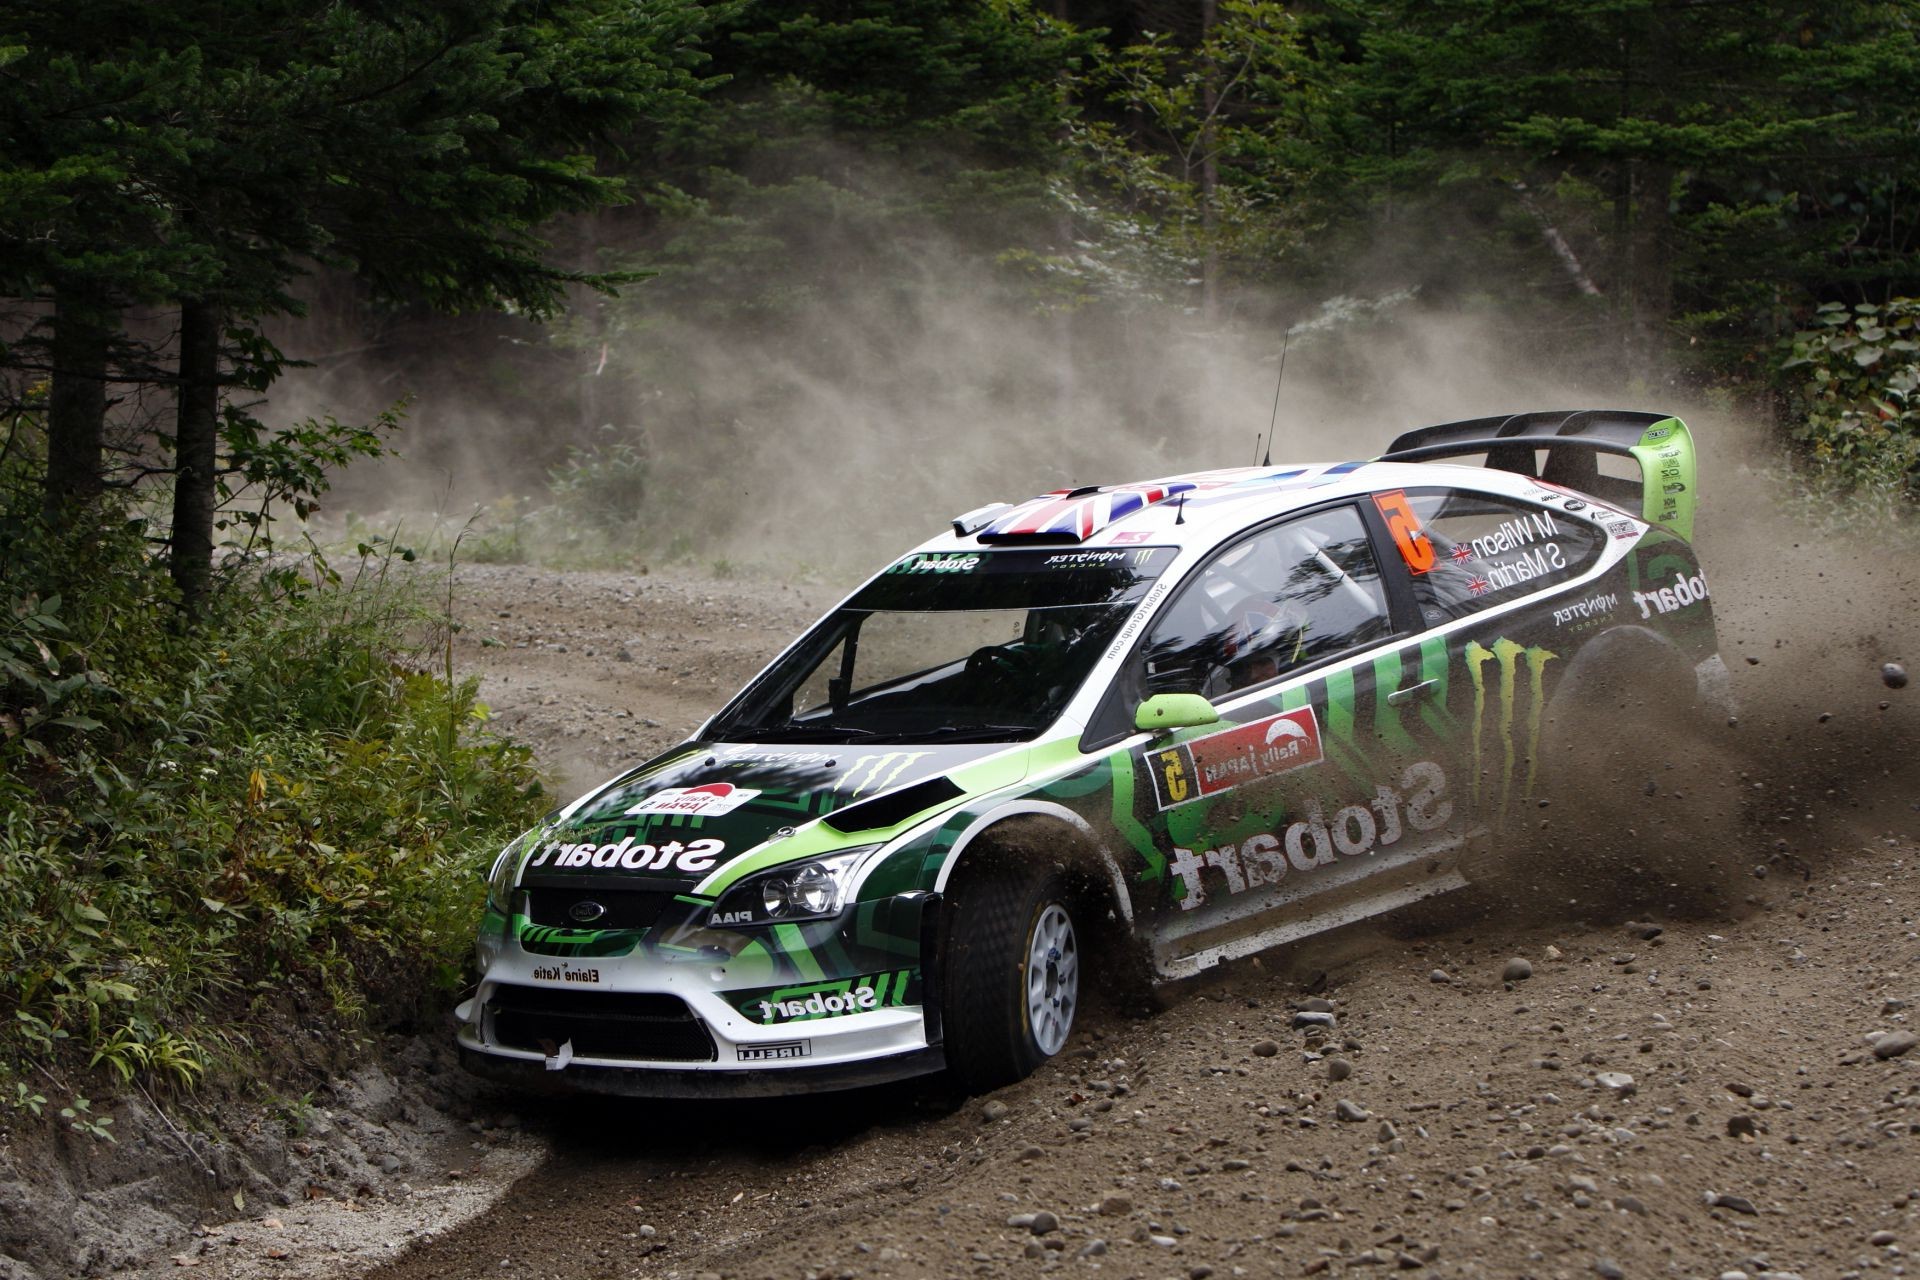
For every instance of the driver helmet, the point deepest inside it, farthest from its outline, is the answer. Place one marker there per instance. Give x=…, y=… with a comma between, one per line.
x=1257, y=630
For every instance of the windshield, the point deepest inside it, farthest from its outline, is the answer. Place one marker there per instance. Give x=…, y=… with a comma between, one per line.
x=971, y=646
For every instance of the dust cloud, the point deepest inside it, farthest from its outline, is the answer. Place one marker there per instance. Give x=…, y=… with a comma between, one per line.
x=907, y=388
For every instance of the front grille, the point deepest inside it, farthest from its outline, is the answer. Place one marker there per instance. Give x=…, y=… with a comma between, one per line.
x=625, y=908
x=646, y=1026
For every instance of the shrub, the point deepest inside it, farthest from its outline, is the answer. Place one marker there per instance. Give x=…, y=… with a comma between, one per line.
x=200, y=826
x=1852, y=377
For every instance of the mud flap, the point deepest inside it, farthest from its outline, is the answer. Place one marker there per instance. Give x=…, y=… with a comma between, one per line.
x=932, y=965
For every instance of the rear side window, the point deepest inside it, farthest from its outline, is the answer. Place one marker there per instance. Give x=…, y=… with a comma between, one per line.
x=1481, y=551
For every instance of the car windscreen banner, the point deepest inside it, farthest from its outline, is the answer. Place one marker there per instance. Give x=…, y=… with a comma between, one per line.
x=1029, y=578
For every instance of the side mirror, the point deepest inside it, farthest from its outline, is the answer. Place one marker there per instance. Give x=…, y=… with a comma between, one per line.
x=1165, y=712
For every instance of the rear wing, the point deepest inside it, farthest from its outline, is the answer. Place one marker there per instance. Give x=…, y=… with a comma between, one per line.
x=1573, y=441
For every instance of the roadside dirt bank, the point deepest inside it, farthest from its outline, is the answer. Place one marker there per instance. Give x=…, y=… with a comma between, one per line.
x=399, y=1145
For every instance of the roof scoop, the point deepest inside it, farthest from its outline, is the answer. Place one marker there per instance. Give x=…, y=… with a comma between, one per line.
x=977, y=519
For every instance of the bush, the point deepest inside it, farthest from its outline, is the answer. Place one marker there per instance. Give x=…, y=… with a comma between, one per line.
x=592, y=515
x=200, y=829
x=1853, y=377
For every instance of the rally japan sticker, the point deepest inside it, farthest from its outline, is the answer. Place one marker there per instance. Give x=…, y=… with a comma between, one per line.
x=709, y=800
x=1222, y=761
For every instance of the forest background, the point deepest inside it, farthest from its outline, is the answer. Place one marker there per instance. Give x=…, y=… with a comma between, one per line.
x=657, y=278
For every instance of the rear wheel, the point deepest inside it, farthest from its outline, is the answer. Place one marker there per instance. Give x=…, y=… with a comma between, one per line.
x=1645, y=795
x=1012, y=966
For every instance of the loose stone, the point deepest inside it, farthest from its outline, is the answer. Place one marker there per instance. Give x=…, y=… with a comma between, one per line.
x=1518, y=969
x=1618, y=1082
x=1894, y=1044
x=1338, y=1069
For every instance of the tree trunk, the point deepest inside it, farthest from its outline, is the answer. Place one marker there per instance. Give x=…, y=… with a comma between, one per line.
x=1652, y=257
x=1209, y=170
x=196, y=437
x=76, y=405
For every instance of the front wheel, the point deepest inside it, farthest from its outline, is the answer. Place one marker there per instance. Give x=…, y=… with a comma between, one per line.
x=1012, y=974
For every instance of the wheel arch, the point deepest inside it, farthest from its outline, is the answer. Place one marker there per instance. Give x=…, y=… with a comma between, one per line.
x=1630, y=664
x=1031, y=822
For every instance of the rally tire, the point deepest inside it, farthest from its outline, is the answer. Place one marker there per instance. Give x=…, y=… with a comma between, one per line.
x=1645, y=794
x=1004, y=1013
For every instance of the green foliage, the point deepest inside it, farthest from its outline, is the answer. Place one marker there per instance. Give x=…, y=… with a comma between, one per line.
x=1221, y=131
x=601, y=485
x=1854, y=376
x=170, y=152
x=1728, y=161
x=210, y=824
x=80, y=1118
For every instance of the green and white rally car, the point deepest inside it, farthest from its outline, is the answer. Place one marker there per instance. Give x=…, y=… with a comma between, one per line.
x=1203, y=715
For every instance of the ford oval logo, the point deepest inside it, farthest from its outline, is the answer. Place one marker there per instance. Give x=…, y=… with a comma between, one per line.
x=586, y=911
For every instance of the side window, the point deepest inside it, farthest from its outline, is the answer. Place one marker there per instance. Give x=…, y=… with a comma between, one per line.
x=1484, y=551
x=1279, y=600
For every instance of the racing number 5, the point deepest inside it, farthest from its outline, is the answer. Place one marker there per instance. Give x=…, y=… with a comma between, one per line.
x=1414, y=546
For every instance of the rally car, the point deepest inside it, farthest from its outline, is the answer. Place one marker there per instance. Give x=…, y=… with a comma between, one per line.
x=1211, y=713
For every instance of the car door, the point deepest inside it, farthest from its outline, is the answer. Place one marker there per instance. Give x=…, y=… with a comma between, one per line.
x=1326, y=792
x=1493, y=598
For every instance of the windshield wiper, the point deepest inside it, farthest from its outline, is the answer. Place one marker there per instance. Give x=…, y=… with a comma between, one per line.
x=968, y=732
x=799, y=731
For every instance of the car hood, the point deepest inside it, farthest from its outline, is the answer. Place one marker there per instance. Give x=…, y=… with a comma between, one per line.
x=674, y=821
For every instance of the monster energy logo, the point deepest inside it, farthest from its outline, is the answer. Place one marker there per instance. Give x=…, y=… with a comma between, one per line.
x=877, y=772
x=1507, y=654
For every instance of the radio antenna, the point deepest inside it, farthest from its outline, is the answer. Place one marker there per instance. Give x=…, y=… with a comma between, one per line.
x=1286, y=336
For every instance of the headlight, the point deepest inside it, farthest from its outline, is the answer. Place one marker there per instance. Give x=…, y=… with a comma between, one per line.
x=808, y=891
x=506, y=870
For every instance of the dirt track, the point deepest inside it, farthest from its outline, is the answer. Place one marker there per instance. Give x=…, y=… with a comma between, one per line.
x=1208, y=1140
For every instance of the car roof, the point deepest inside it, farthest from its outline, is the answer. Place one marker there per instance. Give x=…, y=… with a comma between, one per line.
x=1197, y=509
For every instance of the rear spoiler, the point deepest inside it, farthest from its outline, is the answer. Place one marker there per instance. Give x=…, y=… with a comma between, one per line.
x=1573, y=441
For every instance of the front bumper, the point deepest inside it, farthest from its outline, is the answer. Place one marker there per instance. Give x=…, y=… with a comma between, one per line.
x=655, y=1082
x=815, y=1007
